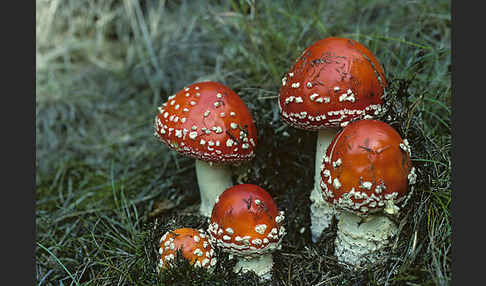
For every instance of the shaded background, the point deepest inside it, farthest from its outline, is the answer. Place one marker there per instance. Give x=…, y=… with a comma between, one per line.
x=106, y=188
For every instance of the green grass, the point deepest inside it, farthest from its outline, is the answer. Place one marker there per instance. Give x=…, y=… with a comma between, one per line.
x=107, y=189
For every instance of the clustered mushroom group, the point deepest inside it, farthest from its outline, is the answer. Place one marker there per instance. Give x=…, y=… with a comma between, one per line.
x=363, y=173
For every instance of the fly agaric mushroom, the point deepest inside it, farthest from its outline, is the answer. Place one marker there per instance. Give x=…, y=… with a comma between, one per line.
x=366, y=171
x=193, y=243
x=333, y=82
x=209, y=122
x=245, y=222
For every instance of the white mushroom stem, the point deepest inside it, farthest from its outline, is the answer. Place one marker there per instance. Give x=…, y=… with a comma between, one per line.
x=261, y=265
x=363, y=241
x=212, y=179
x=321, y=212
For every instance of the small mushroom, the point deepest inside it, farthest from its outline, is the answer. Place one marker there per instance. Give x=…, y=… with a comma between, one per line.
x=193, y=243
x=366, y=172
x=246, y=223
x=333, y=82
x=211, y=123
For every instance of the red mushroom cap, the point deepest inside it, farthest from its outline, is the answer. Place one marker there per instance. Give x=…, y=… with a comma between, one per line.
x=193, y=243
x=207, y=121
x=367, y=165
x=245, y=221
x=333, y=82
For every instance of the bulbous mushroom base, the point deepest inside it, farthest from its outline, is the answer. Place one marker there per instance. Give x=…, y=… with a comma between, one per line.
x=359, y=242
x=321, y=214
x=261, y=265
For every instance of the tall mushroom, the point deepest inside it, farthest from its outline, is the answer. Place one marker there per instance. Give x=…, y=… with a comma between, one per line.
x=211, y=123
x=366, y=172
x=192, y=242
x=333, y=82
x=245, y=222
